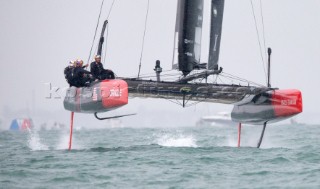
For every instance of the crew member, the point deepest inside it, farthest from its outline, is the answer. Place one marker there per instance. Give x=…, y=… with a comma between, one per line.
x=68, y=72
x=81, y=77
x=98, y=71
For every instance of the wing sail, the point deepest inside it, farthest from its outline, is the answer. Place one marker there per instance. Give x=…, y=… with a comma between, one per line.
x=217, y=8
x=188, y=35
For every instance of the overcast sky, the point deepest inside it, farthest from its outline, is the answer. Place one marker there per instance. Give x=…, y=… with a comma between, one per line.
x=38, y=38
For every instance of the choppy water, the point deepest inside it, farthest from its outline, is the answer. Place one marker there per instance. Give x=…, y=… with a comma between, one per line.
x=198, y=157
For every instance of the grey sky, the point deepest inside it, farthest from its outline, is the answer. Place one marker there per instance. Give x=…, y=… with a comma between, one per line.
x=38, y=38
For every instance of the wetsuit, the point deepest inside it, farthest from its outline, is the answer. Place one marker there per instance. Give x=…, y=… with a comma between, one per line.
x=80, y=77
x=99, y=72
x=68, y=74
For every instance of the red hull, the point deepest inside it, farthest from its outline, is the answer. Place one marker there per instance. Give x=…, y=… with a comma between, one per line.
x=99, y=97
x=272, y=106
x=287, y=102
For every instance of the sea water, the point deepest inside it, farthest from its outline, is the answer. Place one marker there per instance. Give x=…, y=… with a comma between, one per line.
x=190, y=157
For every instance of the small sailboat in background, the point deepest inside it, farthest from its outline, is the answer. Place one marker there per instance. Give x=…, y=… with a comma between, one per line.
x=21, y=124
x=294, y=121
x=219, y=119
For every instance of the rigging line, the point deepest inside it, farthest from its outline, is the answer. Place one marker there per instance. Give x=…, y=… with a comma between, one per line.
x=240, y=79
x=144, y=35
x=236, y=78
x=231, y=79
x=152, y=76
x=162, y=75
x=146, y=74
x=245, y=80
x=255, y=21
x=172, y=101
x=216, y=80
x=110, y=10
x=95, y=33
x=221, y=80
x=106, y=44
x=263, y=29
x=194, y=103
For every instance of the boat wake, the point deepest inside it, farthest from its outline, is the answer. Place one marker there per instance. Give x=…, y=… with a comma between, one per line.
x=176, y=140
x=250, y=139
x=34, y=141
x=63, y=141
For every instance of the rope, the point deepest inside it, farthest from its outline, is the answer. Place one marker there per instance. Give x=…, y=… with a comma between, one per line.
x=172, y=101
x=107, y=35
x=95, y=33
x=144, y=35
x=110, y=9
x=221, y=80
x=263, y=30
x=168, y=75
x=255, y=21
x=227, y=75
x=147, y=74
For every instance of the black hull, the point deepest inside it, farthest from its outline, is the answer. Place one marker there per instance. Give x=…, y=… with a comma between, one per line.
x=200, y=92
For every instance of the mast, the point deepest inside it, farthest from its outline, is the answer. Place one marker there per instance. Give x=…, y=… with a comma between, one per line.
x=101, y=41
x=269, y=66
x=217, y=8
x=189, y=32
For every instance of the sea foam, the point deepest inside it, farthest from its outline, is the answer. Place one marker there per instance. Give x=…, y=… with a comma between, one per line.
x=176, y=140
x=34, y=141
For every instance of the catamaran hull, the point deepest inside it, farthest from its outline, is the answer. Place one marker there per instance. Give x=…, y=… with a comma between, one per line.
x=252, y=105
x=269, y=107
x=101, y=96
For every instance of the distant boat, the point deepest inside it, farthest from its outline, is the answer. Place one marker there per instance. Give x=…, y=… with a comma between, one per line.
x=21, y=124
x=221, y=118
x=52, y=125
x=113, y=123
x=293, y=121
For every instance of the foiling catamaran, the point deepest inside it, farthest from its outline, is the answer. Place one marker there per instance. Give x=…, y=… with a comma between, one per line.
x=256, y=105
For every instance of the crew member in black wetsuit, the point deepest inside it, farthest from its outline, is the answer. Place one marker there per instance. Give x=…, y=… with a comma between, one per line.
x=98, y=71
x=68, y=72
x=81, y=77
